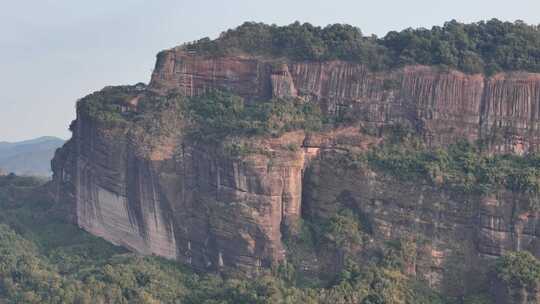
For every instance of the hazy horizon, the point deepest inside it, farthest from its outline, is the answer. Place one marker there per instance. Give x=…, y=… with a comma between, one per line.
x=60, y=51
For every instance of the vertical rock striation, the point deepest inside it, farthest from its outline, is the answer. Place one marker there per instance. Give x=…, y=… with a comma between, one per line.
x=443, y=105
x=457, y=234
x=195, y=203
x=188, y=202
x=116, y=195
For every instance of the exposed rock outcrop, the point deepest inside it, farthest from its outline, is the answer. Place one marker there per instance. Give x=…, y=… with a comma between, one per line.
x=443, y=105
x=197, y=204
x=456, y=234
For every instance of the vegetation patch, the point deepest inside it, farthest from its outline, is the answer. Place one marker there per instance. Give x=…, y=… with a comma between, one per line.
x=519, y=269
x=219, y=114
x=481, y=47
x=461, y=167
x=109, y=105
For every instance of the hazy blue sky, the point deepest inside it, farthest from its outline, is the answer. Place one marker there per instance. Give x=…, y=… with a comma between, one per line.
x=53, y=52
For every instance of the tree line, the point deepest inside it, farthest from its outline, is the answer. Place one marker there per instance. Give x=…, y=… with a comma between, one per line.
x=481, y=47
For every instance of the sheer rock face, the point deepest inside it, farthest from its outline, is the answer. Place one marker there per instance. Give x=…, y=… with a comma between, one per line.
x=456, y=234
x=115, y=194
x=443, y=105
x=195, y=204
x=198, y=205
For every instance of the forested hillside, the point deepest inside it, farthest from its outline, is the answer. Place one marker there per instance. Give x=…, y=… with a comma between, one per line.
x=29, y=157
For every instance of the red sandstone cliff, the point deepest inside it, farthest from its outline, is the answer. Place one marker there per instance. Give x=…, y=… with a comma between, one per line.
x=190, y=202
x=443, y=105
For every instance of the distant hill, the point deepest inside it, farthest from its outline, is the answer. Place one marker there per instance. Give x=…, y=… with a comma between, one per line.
x=29, y=157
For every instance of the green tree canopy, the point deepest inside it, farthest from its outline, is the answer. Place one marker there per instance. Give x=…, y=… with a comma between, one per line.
x=481, y=47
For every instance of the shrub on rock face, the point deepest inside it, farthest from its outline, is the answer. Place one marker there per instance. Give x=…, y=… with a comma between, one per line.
x=462, y=167
x=344, y=231
x=519, y=269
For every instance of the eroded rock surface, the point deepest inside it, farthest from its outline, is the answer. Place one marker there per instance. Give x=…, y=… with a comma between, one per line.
x=456, y=234
x=194, y=203
x=443, y=105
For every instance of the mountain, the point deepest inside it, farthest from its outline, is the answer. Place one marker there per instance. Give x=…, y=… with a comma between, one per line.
x=29, y=157
x=236, y=159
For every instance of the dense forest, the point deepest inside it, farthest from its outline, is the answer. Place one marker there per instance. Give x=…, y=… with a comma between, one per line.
x=482, y=47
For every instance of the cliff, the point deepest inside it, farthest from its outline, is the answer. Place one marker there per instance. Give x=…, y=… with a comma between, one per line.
x=442, y=105
x=169, y=194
